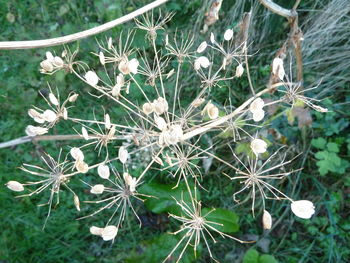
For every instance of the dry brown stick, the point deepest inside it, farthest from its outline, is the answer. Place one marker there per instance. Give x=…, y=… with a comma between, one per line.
x=295, y=34
x=7, y=45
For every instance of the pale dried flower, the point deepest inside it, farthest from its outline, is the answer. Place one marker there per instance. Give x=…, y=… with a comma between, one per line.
x=256, y=108
x=84, y=133
x=107, y=121
x=130, y=182
x=211, y=110
x=101, y=56
x=201, y=62
x=49, y=116
x=147, y=108
x=97, y=231
x=53, y=99
x=303, y=208
x=161, y=123
x=97, y=189
x=81, y=166
x=77, y=154
x=76, y=202
x=15, y=186
x=197, y=102
x=160, y=105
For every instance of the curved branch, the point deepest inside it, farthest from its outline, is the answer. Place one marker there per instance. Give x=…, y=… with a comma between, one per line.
x=277, y=9
x=7, y=45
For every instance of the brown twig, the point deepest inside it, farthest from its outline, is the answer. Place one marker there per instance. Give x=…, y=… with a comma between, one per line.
x=7, y=45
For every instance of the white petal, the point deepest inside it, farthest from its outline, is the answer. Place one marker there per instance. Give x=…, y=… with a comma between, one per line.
x=303, y=208
x=103, y=171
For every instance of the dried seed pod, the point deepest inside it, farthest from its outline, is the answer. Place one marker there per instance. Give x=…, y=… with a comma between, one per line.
x=161, y=123
x=34, y=113
x=103, y=171
x=303, y=208
x=202, y=47
x=91, y=78
x=101, y=56
x=15, y=186
x=109, y=233
x=211, y=110
x=258, y=115
x=34, y=130
x=201, y=62
x=212, y=38
x=130, y=182
x=110, y=43
x=239, y=70
x=58, y=62
x=97, y=189
x=258, y=146
x=107, y=121
x=73, y=97
x=158, y=160
x=267, y=220
x=53, y=99
x=133, y=65
x=123, y=154
x=197, y=102
x=228, y=34
x=49, y=116
x=81, y=166
x=77, y=154
x=77, y=202
x=65, y=113
x=147, y=108
x=277, y=68
x=97, y=231
x=84, y=133
x=171, y=72
x=46, y=66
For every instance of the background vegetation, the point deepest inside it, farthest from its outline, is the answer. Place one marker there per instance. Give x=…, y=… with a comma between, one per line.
x=325, y=139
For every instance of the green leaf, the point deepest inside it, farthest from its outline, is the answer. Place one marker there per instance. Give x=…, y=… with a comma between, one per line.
x=251, y=256
x=332, y=147
x=227, y=219
x=163, y=195
x=319, y=143
x=267, y=259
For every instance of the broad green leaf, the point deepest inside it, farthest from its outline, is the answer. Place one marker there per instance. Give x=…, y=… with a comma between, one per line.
x=227, y=219
x=251, y=256
x=332, y=147
x=319, y=143
x=267, y=259
x=163, y=196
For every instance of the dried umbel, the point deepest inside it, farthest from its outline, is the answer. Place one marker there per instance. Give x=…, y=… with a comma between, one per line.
x=165, y=128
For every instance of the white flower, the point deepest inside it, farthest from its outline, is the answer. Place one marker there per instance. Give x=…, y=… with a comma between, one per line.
x=303, y=208
x=34, y=130
x=77, y=154
x=123, y=154
x=228, y=34
x=267, y=220
x=239, y=70
x=96, y=230
x=277, y=68
x=202, y=47
x=15, y=186
x=53, y=99
x=97, y=189
x=91, y=78
x=103, y=171
x=201, y=62
x=130, y=181
x=49, y=116
x=109, y=233
x=258, y=146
